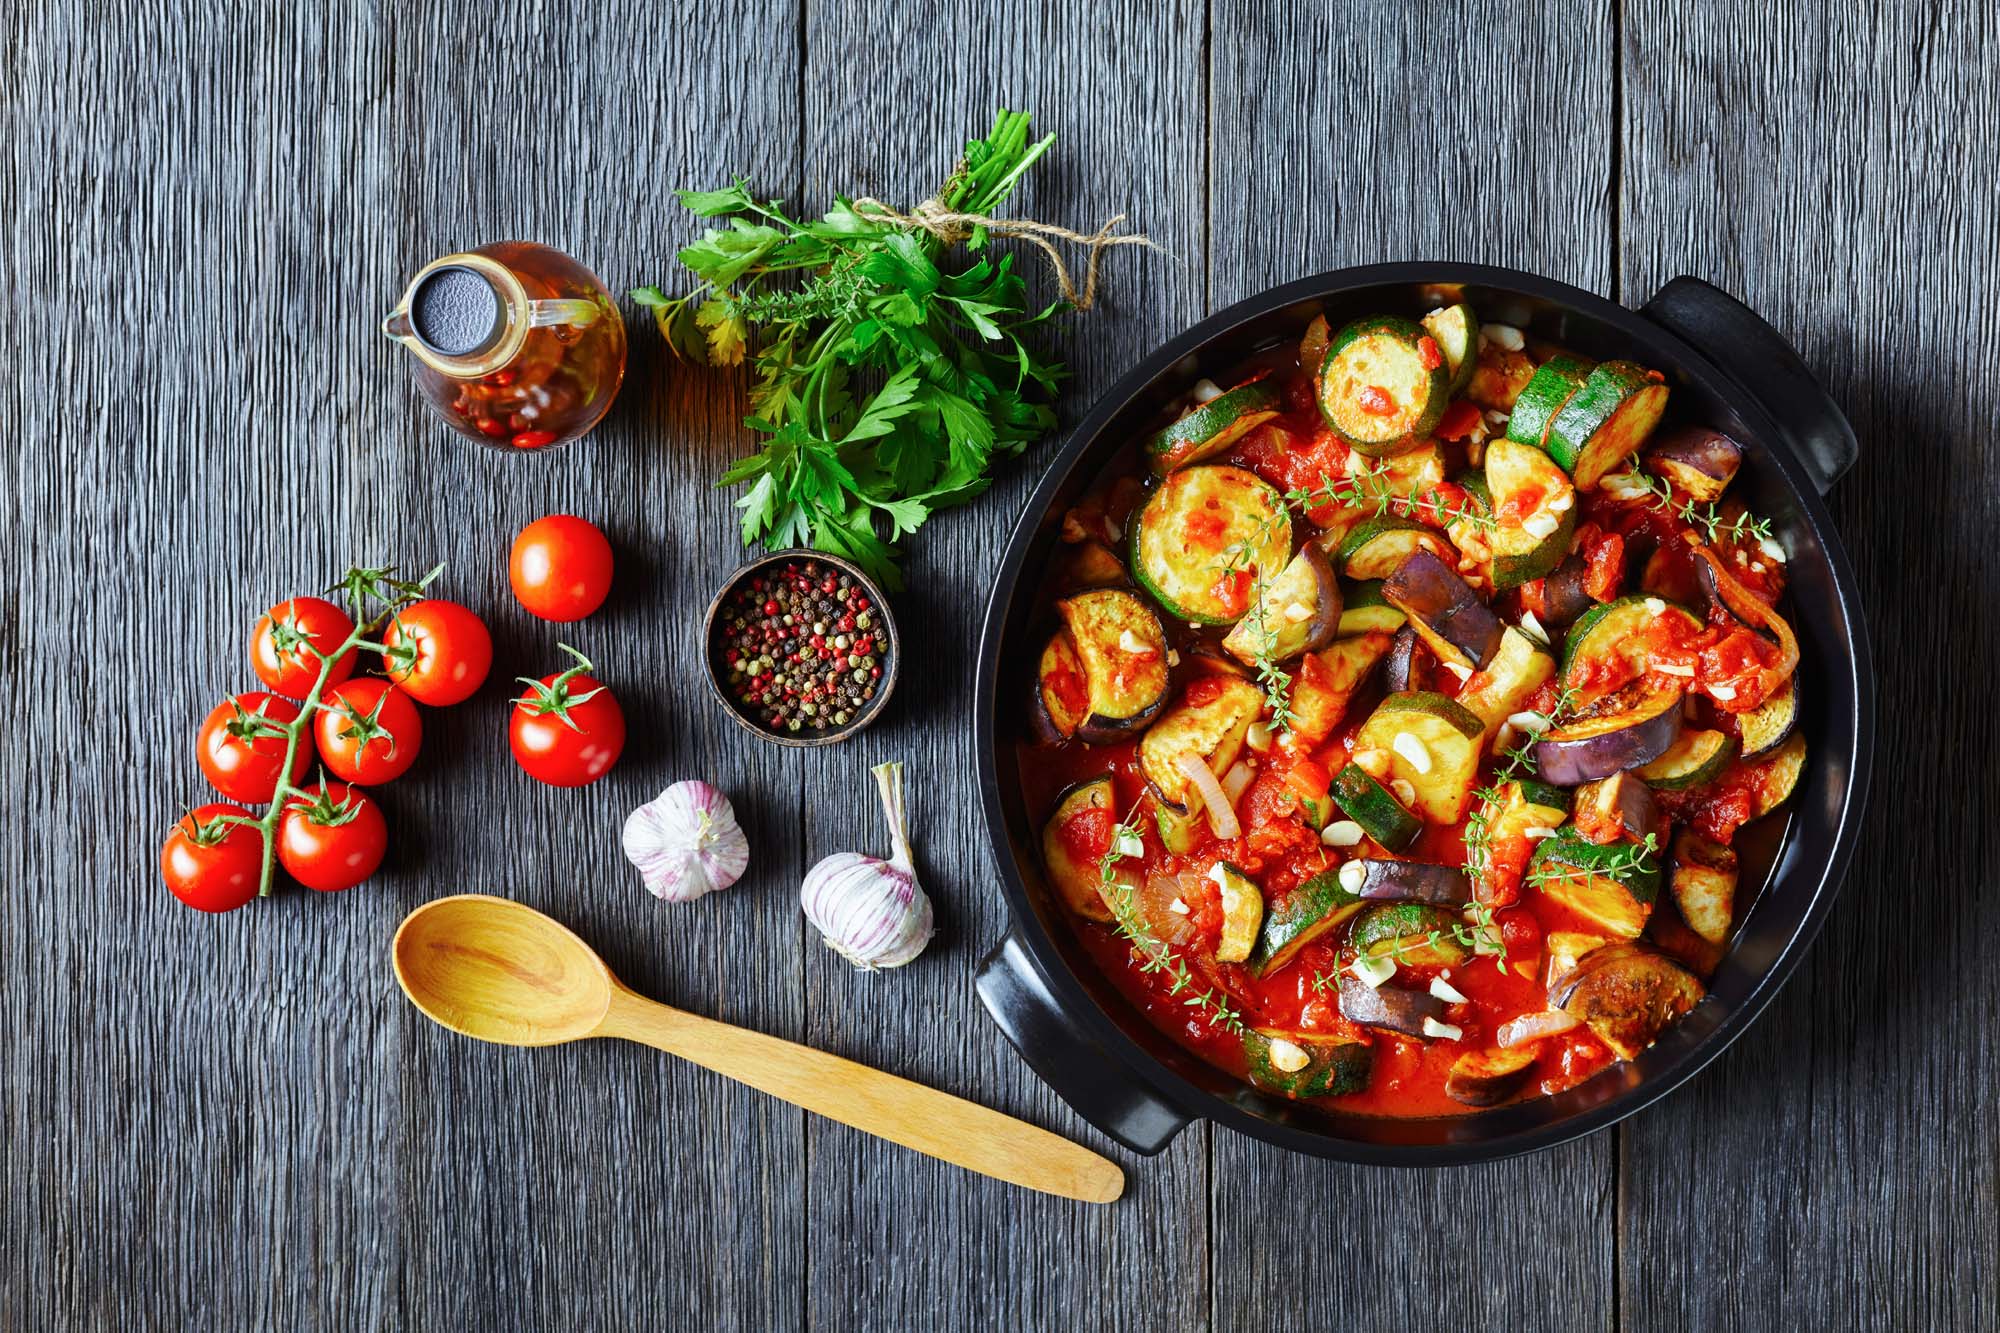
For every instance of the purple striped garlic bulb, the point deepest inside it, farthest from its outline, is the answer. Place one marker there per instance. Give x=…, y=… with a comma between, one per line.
x=872, y=912
x=686, y=842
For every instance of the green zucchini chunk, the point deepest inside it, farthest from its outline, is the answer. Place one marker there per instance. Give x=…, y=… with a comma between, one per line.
x=1456, y=330
x=1297, y=612
x=1376, y=388
x=1212, y=427
x=1694, y=758
x=1613, y=888
x=1202, y=529
x=1414, y=934
x=1553, y=383
x=1374, y=548
x=1363, y=609
x=1606, y=420
x=1606, y=647
x=1368, y=803
x=1308, y=912
x=1305, y=1064
x=1535, y=513
x=1122, y=649
x=1071, y=850
x=1432, y=743
x=1211, y=731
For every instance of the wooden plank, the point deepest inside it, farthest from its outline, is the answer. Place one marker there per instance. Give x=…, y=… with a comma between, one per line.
x=274, y=1138
x=1312, y=172
x=888, y=104
x=1849, y=1139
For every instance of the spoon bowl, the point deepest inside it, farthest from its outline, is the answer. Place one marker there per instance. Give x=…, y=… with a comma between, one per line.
x=500, y=971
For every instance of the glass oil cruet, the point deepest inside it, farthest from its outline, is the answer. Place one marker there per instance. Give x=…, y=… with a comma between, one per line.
x=517, y=345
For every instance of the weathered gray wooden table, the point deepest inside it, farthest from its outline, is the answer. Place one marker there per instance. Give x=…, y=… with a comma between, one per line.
x=237, y=1122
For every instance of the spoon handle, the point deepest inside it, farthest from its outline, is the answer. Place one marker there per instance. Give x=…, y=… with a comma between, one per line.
x=931, y=1122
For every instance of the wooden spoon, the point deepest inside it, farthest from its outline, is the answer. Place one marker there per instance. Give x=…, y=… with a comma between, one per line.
x=499, y=971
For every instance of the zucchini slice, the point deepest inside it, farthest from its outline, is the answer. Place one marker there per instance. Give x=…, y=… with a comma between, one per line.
x=1606, y=648
x=1242, y=913
x=1704, y=885
x=1778, y=776
x=1697, y=757
x=1534, y=509
x=1627, y=995
x=1414, y=934
x=1368, y=803
x=1326, y=681
x=1606, y=420
x=1074, y=843
x=1299, y=612
x=1208, y=722
x=1553, y=383
x=1606, y=886
x=1362, y=608
x=1313, y=344
x=1374, y=547
x=1123, y=651
x=1305, y=1064
x=1444, y=611
x=1456, y=330
x=1062, y=694
x=1182, y=538
x=1379, y=387
x=1209, y=428
x=1771, y=723
x=1432, y=743
x=1504, y=685
x=1181, y=831
x=1308, y=912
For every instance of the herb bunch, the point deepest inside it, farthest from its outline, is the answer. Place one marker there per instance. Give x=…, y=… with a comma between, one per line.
x=886, y=380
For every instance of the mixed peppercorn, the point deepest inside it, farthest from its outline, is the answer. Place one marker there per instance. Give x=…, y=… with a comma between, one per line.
x=801, y=647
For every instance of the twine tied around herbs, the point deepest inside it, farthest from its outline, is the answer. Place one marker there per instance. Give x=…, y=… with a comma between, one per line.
x=950, y=227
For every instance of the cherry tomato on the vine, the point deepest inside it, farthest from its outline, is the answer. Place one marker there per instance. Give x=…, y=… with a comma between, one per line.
x=368, y=730
x=279, y=645
x=210, y=862
x=439, y=652
x=331, y=837
x=560, y=568
x=241, y=746
x=566, y=730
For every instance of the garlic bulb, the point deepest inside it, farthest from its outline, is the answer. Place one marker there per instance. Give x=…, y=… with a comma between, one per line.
x=872, y=912
x=686, y=842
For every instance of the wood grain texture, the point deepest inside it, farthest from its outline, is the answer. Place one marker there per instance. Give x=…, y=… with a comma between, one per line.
x=1401, y=173
x=1835, y=170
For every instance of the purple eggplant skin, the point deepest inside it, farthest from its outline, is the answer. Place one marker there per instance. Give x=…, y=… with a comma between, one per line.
x=1324, y=626
x=1415, y=882
x=1627, y=994
x=1427, y=589
x=1632, y=727
x=1563, y=596
x=1401, y=1011
x=1620, y=805
x=1400, y=668
x=1489, y=1077
x=1700, y=462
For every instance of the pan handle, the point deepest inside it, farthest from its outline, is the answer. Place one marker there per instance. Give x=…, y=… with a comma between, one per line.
x=1091, y=1079
x=1761, y=363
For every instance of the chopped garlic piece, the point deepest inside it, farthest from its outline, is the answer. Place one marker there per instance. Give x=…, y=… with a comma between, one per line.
x=1127, y=843
x=1448, y=1031
x=1531, y=625
x=1206, y=391
x=1218, y=872
x=1174, y=656
x=1495, y=417
x=1624, y=486
x=1352, y=876
x=1341, y=833
x=1258, y=737
x=1655, y=607
x=1561, y=504
x=1463, y=673
x=1298, y=612
x=1541, y=526
x=1536, y=832
x=1771, y=548
x=1412, y=750
x=1503, y=335
x=1529, y=721
x=1132, y=643
x=1447, y=992
x=1673, y=669
x=1288, y=1056
x=1177, y=907
x=1405, y=792
x=1373, y=971
x=1722, y=692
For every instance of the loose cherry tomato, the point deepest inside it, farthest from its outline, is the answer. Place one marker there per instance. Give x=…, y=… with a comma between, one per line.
x=241, y=746
x=279, y=645
x=331, y=837
x=368, y=730
x=210, y=862
x=566, y=730
x=439, y=652
x=560, y=568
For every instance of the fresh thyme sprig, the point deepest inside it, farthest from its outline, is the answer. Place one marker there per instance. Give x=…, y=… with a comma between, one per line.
x=1706, y=518
x=1369, y=488
x=1158, y=955
x=1625, y=861
x=1517, y=761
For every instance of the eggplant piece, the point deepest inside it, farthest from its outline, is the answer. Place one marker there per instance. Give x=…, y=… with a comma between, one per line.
x=1771, y=723
x=1700, y=462
x=1777, y=776
x=1123, y=651
x=1612, y=888
x=1413, y=882
x=1299, y=612
x=1071, y=850
x=1670, y=576
x=1565, y=949
x=1564, y=597
x=1616, y=808
x=1627, y=994
x=1628, y=729
x=1325, y=682
x=1704, y=885
x=1508, y=682
x=1062, y=695
x=1403, y=668
x=1401, y=1011
x=1443, y=608
x=1095, y=565
x=1489, y=1077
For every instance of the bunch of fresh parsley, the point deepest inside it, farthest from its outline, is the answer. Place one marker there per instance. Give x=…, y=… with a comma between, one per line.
x=884, y=384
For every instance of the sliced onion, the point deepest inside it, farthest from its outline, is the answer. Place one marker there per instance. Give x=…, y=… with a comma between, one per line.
x=1239, y=776
x=1747, y=607
x=1532, y=1027
x=1221, y=817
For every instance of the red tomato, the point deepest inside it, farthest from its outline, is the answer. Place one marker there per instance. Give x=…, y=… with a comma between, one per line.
x=566, y=730
x=241, y=746
x=439, y=652
x=368, y=730
x=210, y=862
x=560, y=568
x=332, y=837
x=282, y=646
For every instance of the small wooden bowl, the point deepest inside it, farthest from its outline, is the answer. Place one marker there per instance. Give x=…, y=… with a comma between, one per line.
x=885, y=631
